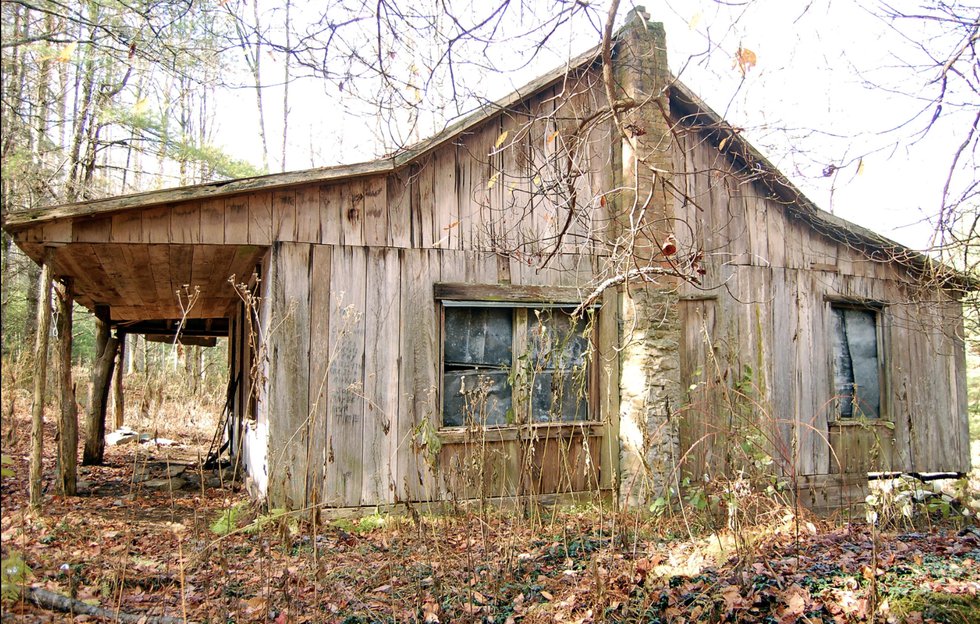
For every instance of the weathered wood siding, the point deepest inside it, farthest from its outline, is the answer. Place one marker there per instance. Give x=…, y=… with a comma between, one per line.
x=762, y=318
x=353, y=389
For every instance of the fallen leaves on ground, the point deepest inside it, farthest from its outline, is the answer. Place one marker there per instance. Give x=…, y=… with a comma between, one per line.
x=154, y=553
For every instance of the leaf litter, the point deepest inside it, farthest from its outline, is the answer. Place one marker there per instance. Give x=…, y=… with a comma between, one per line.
x=218, y=558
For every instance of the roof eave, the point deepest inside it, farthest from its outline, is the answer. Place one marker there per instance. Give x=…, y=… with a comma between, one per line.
x=20, y=220
x=729, y=140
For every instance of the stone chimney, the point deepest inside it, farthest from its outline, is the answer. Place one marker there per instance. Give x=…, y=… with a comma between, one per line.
x=650, y=391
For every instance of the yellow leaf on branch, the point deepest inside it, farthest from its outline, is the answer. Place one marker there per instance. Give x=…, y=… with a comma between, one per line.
x=745, y=59
x=501, y=139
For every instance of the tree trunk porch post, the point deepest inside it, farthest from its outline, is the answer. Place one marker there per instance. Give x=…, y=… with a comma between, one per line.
x=40, y=380
x=67, y=458
x=106, y=346
x=118, y=399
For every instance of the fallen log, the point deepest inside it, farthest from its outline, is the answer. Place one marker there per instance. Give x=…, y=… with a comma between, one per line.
x=59, y=602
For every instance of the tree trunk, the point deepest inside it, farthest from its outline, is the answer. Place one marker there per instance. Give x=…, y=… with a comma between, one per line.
x=31, y=317
x=285, y=90
x=192, y=355
x=6, y=242
x=68, y=422
x=118, y=407
x=40, y=379
x=105, y=348
x=255, y=61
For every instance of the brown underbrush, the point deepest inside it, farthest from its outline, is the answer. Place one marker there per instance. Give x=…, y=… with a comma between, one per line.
x=208, y=554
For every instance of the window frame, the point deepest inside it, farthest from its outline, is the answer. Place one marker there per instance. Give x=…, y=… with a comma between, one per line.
x=521, y=310
x=877, y=310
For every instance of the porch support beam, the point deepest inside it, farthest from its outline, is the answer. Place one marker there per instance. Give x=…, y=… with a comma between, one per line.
x=40, y=381
x=105, y=348
x=67, y=460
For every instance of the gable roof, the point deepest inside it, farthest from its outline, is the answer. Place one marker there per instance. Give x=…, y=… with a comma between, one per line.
x=695, y=111
x=729, y=140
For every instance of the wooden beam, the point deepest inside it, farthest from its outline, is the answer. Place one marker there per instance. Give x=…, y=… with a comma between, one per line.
x=67, y=461
x=25, y=218
x=187, y=341
x=507, y=293
x=40, y=380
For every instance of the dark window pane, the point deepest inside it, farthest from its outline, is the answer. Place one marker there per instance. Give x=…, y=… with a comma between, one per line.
x=479, y=336
x=476, y=397
x=856, y=362
x=555, y=342
x=558, y=397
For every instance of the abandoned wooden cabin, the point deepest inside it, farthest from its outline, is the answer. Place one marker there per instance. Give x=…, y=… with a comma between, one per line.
x=401, y=330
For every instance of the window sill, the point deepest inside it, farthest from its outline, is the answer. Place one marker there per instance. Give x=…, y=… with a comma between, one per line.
x=456, y=435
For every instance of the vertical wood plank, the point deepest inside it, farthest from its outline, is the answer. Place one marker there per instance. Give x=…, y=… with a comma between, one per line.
x=156, y=225
x=289, y=381
x=417, y=383
x=58, y=231
x=793, y=239
x=375, y=211
x=895, y=368
x=425, y=178
x=320, y=287
x=445, y=207
x=464, y=195
x=92, y=230
x=127, y=227
x=399, y=209
x=308, y=214
x=775, y=219
x=738, y=237
x=813, y=388
x=783, y=363
x=185, y=223
x=959, y=403
x=346, y=379
x=260, y=218
x=453, y=266
x=236, y=220
x=352, y=215
x=382, y=311
x=697, y=428
x=284, y=215
x=333, y=201
x=606, y=357
x=213, y=221
x=756, y=225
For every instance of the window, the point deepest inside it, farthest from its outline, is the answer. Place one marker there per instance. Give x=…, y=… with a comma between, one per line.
x=512, y=365
x=856, y=364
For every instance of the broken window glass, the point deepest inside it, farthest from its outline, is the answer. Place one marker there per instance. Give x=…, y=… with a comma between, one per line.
x=856, y=366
